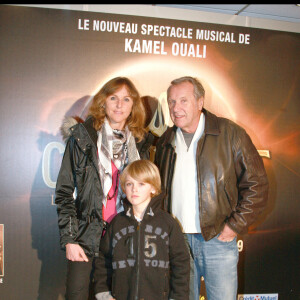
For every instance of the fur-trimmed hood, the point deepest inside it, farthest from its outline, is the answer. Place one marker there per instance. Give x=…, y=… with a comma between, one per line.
x=66, y=125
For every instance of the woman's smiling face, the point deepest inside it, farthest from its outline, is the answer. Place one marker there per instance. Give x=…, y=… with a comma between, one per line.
x=118, y=107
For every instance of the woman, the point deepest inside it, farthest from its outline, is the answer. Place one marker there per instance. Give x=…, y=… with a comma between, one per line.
x=97, y=151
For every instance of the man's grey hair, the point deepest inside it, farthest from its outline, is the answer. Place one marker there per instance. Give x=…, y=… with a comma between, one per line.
x=198, y=87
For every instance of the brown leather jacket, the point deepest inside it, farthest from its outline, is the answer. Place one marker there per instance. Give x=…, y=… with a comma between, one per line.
x=232, y=181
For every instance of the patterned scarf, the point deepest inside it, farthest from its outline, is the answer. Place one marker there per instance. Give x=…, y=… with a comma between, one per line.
x=119, y=147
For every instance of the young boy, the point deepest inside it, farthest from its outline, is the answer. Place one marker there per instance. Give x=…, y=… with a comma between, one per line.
x=143, y=254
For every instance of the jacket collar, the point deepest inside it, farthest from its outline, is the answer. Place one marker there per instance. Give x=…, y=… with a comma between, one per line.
x=85, y=134
x=154, y=205
x=211, y=127
x=211, y=123
x=86, y=138
x=89, y=126
x=92, y=133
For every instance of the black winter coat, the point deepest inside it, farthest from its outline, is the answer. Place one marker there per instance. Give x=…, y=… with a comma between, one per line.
x=146, y=260
x=80, y=220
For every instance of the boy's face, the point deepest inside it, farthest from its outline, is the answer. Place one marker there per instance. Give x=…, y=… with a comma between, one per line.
x=138, y=193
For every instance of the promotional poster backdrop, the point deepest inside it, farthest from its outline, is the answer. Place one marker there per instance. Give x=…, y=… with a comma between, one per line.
x=54, y=61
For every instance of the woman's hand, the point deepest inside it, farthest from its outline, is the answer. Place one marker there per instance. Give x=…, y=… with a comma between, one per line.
x=75, y=253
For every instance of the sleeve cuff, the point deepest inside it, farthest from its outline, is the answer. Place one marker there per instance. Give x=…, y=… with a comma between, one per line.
x=103, y=296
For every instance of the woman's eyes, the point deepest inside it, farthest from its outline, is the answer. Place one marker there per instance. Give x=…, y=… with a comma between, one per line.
x=127, y=99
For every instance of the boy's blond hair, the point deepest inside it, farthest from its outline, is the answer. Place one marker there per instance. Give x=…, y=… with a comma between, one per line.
x=143, y=171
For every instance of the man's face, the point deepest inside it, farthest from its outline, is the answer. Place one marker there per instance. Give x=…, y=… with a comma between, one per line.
x=185, y=110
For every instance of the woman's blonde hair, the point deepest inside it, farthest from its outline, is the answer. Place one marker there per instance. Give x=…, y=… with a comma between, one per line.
x=135, y=121
x=142, y=171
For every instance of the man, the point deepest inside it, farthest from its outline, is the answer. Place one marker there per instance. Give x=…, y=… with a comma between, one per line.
x=215, y=182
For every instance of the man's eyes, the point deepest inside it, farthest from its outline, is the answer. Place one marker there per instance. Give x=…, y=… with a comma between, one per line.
x=173, y=102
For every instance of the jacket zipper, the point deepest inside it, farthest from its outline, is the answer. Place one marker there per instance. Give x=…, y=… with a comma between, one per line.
x=198, y=155
x=70, y=226
x=138, y=261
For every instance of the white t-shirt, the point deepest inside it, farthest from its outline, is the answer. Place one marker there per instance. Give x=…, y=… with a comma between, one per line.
x=185, y=200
